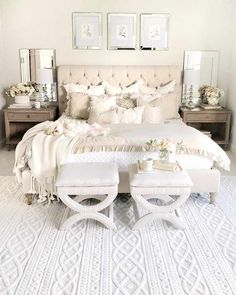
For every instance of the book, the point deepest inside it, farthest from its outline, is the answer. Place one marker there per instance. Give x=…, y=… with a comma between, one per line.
x=20, y=106
x=167, y=166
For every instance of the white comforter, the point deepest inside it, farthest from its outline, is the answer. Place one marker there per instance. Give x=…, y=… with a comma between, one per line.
x=48, y=144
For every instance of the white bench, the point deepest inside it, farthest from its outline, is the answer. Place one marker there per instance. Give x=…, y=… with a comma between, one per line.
x=160, y=185
x=88, y=181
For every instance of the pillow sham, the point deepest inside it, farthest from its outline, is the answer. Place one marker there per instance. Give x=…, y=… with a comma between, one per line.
x=152, y=114
x=108, y=117
x=147, y=90
x=170, y=107
x=72, y=87
x=129, y=116
x=100, y=104
x=111, y=90
x=167, y=88
x=77, y=106
x=96, y=90
x=133, y=88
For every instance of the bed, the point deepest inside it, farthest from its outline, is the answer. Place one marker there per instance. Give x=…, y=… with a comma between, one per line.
x=205, y=176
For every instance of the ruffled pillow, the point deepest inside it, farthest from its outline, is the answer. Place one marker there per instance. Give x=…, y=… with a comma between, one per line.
x=72, y=87
x=111, y=90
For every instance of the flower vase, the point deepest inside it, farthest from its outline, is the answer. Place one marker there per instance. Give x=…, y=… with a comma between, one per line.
x=22, y=99
x=164, y=156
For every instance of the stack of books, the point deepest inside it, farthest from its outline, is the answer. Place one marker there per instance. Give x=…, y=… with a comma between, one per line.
x=211, y=107
x=206, y=132
x=20, y=106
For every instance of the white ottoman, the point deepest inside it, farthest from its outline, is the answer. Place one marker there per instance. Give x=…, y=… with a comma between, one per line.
x=160, y=185
x=88, y=180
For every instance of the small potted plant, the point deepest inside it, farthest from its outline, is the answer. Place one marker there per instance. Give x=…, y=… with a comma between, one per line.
x=211, y=95
x=21, y=92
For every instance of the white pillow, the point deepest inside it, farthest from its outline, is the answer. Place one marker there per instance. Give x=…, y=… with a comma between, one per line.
x=169, y=106
x=108, y=117
x=96, y=90
x=130, y=115
x=111, y=90
x=152, y=114
x=133, y=88
x=72, y=87
x=169, y=87
x=154, y=100
x=147, y=90
x=99, y=105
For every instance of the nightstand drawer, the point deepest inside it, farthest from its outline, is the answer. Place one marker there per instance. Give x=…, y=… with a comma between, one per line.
x=30, y=117
x=207, y=117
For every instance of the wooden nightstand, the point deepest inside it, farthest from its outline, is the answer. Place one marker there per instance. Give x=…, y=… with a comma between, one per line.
x=215, y=121
x=18, y=121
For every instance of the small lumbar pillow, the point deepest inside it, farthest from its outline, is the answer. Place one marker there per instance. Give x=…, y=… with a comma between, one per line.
x=78, y=105
x=111, y=90
x=99, y=105
x=72, y=87
x=130, y=115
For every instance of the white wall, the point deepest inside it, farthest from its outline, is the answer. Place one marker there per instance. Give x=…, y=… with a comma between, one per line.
x=2, y=100
x=203, y=25
x=231, y=102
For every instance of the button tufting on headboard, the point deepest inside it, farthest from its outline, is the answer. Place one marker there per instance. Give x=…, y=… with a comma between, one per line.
x=117, y=75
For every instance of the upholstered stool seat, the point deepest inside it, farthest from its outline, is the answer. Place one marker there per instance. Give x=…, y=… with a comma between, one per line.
x=85, y=181
x=160, y=185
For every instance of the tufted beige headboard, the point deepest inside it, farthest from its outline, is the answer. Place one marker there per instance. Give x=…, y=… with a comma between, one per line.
x=115, y=75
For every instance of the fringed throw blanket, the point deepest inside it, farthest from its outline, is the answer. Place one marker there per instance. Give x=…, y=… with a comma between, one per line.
x=48, y=145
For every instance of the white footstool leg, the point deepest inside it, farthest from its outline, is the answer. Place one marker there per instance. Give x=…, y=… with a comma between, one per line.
x=89, y=212
x=106, y=221
x=166, y=212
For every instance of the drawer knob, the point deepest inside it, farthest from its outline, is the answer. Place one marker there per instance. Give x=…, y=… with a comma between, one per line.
x=28, y=116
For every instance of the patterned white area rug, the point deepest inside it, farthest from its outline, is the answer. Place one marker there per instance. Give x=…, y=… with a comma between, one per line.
x=36, y=258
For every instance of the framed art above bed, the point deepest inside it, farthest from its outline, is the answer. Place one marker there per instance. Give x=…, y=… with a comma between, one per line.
x=87, y=30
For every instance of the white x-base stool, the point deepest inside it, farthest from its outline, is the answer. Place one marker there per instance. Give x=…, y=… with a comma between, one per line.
x=160, y=185
x=88, y=181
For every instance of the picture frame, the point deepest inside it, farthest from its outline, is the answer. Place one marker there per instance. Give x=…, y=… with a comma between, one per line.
x=154, y=31
x=122, y=31
x=87, y=30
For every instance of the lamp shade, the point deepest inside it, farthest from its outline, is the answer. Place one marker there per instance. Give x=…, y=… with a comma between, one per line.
x=44, y=76
x=192, y=77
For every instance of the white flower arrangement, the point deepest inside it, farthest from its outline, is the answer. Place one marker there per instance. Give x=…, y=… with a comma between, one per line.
x=21, y=89
x=165, y=146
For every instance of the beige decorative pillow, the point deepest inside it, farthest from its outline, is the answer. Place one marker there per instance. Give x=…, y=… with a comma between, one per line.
x=167, y=88
x=169, y=106
x=77, y=106
x=126, y=103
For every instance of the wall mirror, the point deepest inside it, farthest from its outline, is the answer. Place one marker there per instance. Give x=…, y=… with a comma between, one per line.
x=39, y=65
x=200, y=68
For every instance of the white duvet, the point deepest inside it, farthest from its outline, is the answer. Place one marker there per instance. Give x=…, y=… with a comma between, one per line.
x=48, y=144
